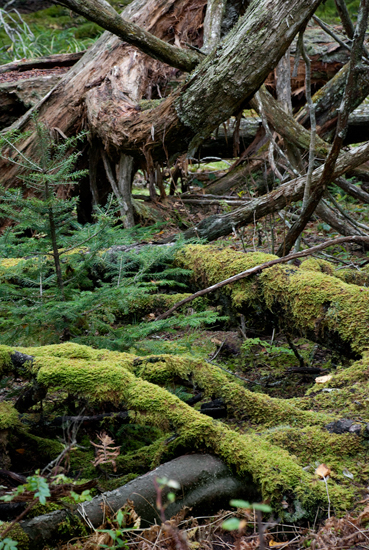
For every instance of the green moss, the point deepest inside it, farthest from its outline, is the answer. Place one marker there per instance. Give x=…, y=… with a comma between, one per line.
x=305, y=299
x=8, y=416
x=318, y=265
x=210, y=264
x=41, y=509
x=47, y=449
x=257, y=408
x=81, y=463
x=341, y=453
x=273, y=468
x=72, y=527
x=125, y=379
x=346, y=393
x=18, y=535
x=111, y=484
x=5, y=359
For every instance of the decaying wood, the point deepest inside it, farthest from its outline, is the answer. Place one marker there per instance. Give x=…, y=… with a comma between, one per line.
x=18, y=95
x=184, y=120
x=45, y=62
x=103, y=13
x=257, y=269
x=218, y=225
x=230, y=75
x=111, y=59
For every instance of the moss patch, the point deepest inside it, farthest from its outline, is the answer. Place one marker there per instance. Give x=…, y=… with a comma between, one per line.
x=18, y=535
x=8, y=416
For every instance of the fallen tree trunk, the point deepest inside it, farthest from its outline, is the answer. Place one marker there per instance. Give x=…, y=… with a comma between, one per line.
x=230, y=75
x=218, y=225
x=45, y=62
x=206, y=485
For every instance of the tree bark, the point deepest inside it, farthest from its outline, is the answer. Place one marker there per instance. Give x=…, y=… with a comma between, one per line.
x=117, y=62
x=218, y=225
x=218, y=88
x=213, y=24
x=223, y=82
x=103, y=13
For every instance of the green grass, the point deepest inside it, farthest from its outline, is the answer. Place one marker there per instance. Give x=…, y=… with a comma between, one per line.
x=328, y=12
x=50, y=31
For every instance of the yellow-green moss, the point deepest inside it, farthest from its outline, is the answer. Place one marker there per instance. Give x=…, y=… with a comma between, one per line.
x=41, y=509
x=346, y=393
x=307, y=299
x=272, y=467
x=47, y=449
x=318, y=265
x=18, y=535
x=5, y=359
x=8, y=416
x=211, y=264
x=255, y=407
x=316, y=301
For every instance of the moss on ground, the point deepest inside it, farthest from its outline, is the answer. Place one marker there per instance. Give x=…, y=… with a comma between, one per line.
x=5, y=359
x=8, y=416
x=18, y=535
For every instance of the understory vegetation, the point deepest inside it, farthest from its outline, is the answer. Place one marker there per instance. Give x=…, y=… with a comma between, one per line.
x=124, y=346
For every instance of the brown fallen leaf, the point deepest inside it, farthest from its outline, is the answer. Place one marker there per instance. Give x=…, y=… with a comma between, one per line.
x=322, y=471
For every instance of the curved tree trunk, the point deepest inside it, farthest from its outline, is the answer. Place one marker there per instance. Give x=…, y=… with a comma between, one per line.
x=218, y=87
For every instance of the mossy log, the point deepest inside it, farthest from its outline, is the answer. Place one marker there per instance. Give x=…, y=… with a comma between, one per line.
x=109, y=376
x=309, y=300
x=279, y=438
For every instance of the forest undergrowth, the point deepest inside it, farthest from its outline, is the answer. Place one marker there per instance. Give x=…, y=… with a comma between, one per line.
x=259, y=365
x=269, y=374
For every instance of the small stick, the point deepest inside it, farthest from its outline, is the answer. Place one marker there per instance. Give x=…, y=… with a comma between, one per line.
x=258, y=268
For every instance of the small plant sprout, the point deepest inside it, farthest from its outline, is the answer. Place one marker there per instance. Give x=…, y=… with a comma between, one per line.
x=8, y=544
x=232, y=524
x=160, y=484
x=116, y=534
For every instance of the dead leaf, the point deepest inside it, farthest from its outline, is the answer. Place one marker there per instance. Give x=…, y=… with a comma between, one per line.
x=105, y=453
x=322, y=471
x=273, y=544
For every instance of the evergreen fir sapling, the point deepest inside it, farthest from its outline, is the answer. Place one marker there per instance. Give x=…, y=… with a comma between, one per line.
x=46, y=214
x=97, y=289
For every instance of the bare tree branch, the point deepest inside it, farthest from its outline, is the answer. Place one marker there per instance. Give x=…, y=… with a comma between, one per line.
x=102, y=13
